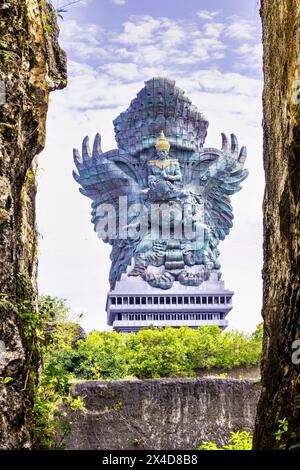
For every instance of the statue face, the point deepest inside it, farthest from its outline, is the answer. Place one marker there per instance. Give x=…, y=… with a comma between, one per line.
x=162, y=155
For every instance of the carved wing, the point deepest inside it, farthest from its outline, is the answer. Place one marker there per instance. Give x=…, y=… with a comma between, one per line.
x=103, y=181
x=222, y=179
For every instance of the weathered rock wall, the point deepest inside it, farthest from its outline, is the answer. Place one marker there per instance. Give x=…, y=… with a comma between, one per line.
x=281, y=272
x=161, y=414
x=31, y=65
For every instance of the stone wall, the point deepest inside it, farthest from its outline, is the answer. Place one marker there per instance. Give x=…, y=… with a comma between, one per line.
x=31, y=65
x=161, y=414
x=281, y=272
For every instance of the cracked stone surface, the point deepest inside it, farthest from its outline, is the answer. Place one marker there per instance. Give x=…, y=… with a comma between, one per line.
x=161, y=414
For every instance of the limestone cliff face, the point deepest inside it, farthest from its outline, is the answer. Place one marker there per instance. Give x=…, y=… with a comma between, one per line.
x=31, y=65
x=281, y=272
x=161, y=414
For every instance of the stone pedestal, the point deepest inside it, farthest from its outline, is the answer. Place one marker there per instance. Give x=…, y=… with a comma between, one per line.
x=133, y=305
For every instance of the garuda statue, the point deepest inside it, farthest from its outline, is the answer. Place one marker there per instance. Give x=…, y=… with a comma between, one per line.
x=161, y=199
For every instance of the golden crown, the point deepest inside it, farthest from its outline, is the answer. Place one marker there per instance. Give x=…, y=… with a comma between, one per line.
x=162, y=144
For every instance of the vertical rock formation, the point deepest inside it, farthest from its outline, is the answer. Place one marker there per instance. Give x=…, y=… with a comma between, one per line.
x=281, y=273
x=31, y=65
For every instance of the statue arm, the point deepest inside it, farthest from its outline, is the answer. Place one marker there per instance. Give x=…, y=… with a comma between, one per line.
x=177, y=174
x=151, y=177
x=173, y=177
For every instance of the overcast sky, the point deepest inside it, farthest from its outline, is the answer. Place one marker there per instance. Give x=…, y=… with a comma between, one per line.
x=212, y=49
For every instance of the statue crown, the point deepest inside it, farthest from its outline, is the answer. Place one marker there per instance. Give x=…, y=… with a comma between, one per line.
x=162, y=144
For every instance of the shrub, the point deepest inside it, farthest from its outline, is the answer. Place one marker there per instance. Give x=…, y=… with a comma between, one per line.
x=240, y=440
x=102, y=356
x=153, y=353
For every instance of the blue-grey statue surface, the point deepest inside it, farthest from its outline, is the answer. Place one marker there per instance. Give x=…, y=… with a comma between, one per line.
x=161, y=168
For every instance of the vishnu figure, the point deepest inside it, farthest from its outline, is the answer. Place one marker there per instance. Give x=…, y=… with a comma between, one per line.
x=164, y=174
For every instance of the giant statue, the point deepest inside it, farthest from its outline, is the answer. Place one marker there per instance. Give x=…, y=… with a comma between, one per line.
x=161, y=199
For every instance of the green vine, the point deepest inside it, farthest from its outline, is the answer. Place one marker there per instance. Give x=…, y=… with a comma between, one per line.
x=282, y=429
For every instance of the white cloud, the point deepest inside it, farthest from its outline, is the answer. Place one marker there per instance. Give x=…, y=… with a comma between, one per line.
x=80, y=41
x=241, y=29
x=145, y=41
x=91, y=89
x=204, y=49
x=156, y=42
x=139, y=30
x=119, y=2
x=171, y=34
x=230, y=83
x=207, y=15
x=213, y=29
x=250, y=56
x=122, y=71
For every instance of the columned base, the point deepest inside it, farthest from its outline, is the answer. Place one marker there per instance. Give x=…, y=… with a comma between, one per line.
x=134, y=305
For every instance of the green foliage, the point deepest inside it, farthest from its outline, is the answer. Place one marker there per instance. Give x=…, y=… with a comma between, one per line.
x=5, y=54
x=100, y=357
x=52, y=391
x=6, y=303
x=29, y=180
x=7, y=380
x=5, y=124
x=53, y=308
x=240, y=440
x=31, y=321
x=3, y=43
x=153, y=353
x=209, y=446
x=30, y=174
x=137, y=442
x=48, y=27
x=77, y=404
x=24, y=288
x=54, y=385
x=32, y=325
x=283, y=427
